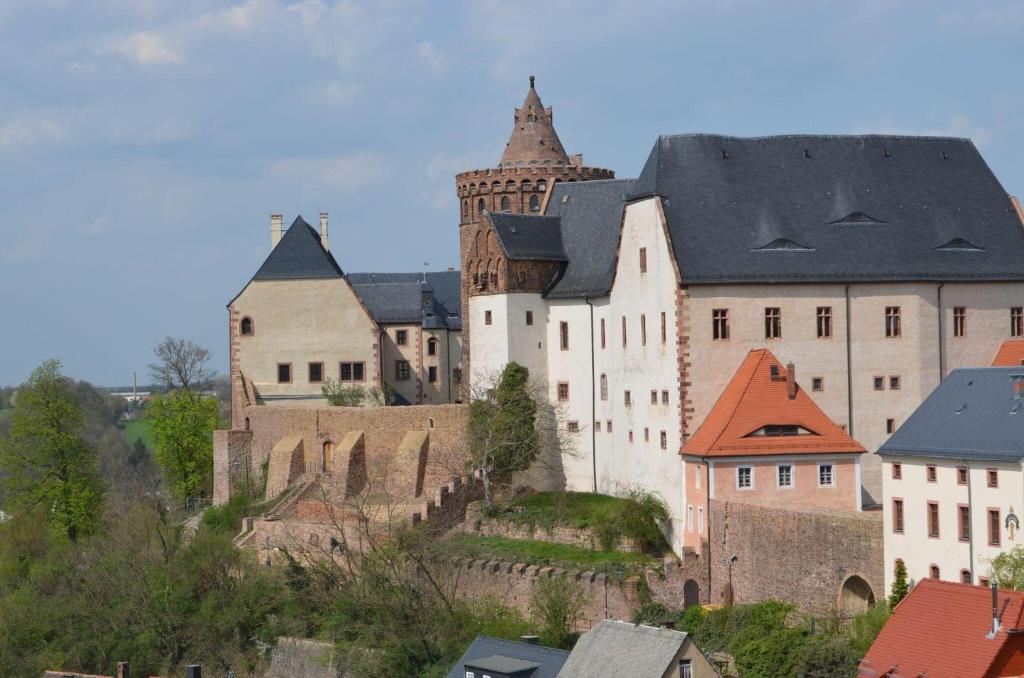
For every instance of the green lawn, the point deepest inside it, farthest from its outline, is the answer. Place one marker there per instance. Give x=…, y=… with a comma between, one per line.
x=547, y=553
x=572, y=509
x=136, y=429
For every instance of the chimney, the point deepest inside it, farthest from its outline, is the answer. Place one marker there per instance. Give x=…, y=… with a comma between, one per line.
x=323, y=230
x=791, y=380
x=194, y=671
x=276, y=220
x=995, y=612
x=122, y=669
x=530, y=640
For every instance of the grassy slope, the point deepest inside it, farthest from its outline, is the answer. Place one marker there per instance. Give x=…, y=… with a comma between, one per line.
x=136, y=429
x=572, y=509
x=545, y=553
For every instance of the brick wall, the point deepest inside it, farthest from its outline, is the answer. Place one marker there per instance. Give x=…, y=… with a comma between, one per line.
x=232, y=469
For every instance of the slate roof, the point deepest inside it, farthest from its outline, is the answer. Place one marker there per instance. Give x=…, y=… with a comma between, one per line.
x=1010, y=354
x=754, y=398
x=618, y=649
x=939, y=631
x=534, y=237
x=550, y=660
x=395, y=297
x=837, y=208
x=299, y=256
x=972, y=414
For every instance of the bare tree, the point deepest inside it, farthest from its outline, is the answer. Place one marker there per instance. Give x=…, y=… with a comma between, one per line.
x=181, y=365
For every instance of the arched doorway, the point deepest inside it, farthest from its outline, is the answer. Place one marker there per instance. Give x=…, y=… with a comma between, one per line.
x=327, y=457
x=691, y=594
x=855, y=596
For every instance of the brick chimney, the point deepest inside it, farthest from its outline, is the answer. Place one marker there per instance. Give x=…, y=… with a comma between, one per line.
x=791, y=380
x=122, y=670
x=323, y=230
x=276, y=222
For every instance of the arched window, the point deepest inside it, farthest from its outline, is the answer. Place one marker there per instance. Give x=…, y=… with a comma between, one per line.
x=542, y=185
x=465, y=208
x=527, y=185
x=965, y=576
x=506, y=205
x=933, y=571
x=246, y=326
x=472, y=187
x=510, y=185
x=476, y=243
x=522, y=277
x=247, y=424
x=432, y=346
x=534, y=203
x=480, y=206
x=495, y=186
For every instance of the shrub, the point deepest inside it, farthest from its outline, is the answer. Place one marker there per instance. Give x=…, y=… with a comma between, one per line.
x=642, y=518
x=340, y=395
x=557, y=607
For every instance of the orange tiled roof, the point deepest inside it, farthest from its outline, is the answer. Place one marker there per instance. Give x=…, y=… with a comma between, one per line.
x=1011, y=354
x=939, y=631
x=753, y=399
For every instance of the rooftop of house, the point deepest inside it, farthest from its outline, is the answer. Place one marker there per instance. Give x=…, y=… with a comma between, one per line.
x=975, y=413
x=1010, y=354
x=299, y=255
x=618, y=648
x=510, y=658
x=941, y=628
x=763, y=411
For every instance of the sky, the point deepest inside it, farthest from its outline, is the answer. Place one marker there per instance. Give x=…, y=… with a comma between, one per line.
x=143, y=144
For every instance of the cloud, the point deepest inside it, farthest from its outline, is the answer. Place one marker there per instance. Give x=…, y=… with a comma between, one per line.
x=27, y=132
x=437, y=60
x=340, y=172
x=149, y=48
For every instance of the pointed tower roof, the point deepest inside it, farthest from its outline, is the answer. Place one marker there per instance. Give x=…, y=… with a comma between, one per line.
x=534, y=140
x=761, y=413
x=298, y=256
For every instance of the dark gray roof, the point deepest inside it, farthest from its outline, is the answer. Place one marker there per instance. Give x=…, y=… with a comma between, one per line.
x=396, y=297
x=299, y=256
x=618, y=649
x=538, y=238
x=549, y=659
x=971, y=415
x=500, y=664
x=836, y=208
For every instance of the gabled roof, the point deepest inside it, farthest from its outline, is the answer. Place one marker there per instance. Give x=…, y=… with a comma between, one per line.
x=299, y=256
x=618, y=648
x=529, y=237
x=533, y=140
x=859, y=208
x=972, y=414
x=397, y=297
x=1011, y=354
x=549, y=659
x=756, y=398
x=939, y=631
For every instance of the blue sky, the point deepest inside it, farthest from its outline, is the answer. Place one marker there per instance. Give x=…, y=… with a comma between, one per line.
x=143, y=144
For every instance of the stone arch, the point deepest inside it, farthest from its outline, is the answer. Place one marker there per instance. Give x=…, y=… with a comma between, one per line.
x=492, y=245
x=534, y=203
x=691, y=594
x=476, y=242
x=510, y=185
x=495, y=186
x=499, y=266
x=506, y=204
x=527, y=185
x=247, y=424
x=327, y=445
x=480, y=206
x=855, y=595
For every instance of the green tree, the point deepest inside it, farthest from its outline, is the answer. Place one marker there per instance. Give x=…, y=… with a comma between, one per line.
x=182, y=425
x=1008, y=569
x=557, y=606
x=44, y=459
x=502, y=428
x=899, y=584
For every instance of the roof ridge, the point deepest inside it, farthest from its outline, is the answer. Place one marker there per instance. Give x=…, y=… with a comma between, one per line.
x=794, y=135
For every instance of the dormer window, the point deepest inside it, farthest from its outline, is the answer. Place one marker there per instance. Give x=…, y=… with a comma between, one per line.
x=245, y=326
x=774, y=430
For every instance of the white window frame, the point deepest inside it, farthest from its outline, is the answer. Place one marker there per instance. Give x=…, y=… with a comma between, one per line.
x=470, y=674
x=832, y=474
x=749, y=468
x=792, y=476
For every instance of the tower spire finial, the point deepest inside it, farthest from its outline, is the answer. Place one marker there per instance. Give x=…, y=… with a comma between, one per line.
x=531, y=81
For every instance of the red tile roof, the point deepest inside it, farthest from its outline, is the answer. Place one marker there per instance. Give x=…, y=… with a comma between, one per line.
x=1011, y=354
x=755, y=398
x=939, y=631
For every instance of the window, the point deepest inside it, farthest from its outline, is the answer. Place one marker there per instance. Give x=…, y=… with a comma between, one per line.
x=700, y=519
x=534, y=203
x=470, y=674
x=772, y=322
x=316, y=373
x=643, y=260
x=824, y=322
x=432, y=346
x=654, y=397
x=696, y=476
x=892, y=321
x=529, y=317
x=604, y=387
x=897, y=516
x=608, y=426
x=664, y=397
x=506, y=204
x=481, y=206
x=931, y=473
x=597, y=425
x=402, y=336
x=963, y=522
x=487, y=317
x=631, y=436
x=685, y=668
x=647, y=435
x=563, y=391
x=627, y=399
x=784, y=474
x=246, y=327
x=897, y=471
x=993, y=527
x=573, y=426
x=744, y=477
x=457, y=375
x=563, y=335
x=965, y=576
x=933, y=571
x=959, y=321
x=284, y=373
x=933, y=519
x=1016, y=321
x=894, y=383
x=993, y=477
x=689, y=517
x=879, y=383
x=961, y=475
x=602, y=333
x=664, y=328
x=663, y=439
x=351, y=371
x=817, y=384
x=432, y=374
x=720, y=323
x=643, y=329
x=402, y=371
x=826, y=475
x=624, y=337
x=890, y=426
x=984, y=581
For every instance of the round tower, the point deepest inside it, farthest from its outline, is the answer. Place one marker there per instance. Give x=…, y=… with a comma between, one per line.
x=533, y=161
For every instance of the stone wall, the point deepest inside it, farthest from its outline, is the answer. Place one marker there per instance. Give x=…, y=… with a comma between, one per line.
x=479, y=525
x=231, y=461
x=302, y=658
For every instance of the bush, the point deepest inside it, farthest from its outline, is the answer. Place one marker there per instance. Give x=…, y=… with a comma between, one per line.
x=557, y=607
x=340, y=395
x=642, y=518
x=226, y=518
x=827, y=656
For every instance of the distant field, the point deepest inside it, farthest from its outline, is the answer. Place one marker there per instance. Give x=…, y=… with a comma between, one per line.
x=136, y=429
